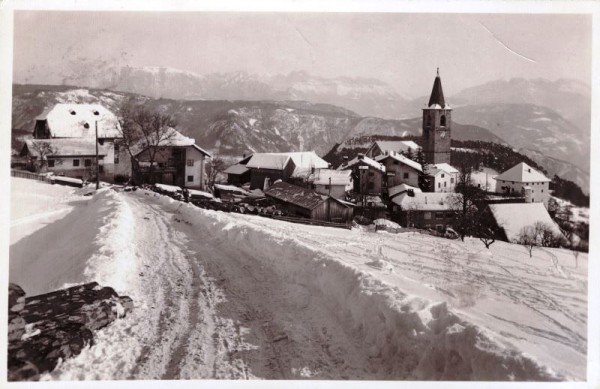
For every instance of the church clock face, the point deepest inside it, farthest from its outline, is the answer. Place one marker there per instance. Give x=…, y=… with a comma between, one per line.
x=443, y=134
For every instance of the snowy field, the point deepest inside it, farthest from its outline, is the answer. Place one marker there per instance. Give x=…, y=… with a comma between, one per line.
x=236, y=296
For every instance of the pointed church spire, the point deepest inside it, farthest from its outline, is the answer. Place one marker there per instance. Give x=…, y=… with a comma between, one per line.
x=437, y=95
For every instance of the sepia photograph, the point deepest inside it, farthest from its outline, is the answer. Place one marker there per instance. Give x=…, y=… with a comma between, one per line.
x=305, y=194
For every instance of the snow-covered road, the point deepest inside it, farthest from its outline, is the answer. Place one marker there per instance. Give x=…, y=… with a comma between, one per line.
x=232, y=296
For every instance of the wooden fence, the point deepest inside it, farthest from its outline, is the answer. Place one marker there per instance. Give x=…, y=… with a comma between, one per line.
x=29, y=175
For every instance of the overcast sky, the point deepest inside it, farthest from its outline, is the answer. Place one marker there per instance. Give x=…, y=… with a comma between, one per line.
x=400, y=49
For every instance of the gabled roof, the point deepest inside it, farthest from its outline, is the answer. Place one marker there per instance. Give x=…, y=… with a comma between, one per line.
x=275, y=161
x=236, y=169
x=338, y=177
x=440, y=168
x=436, y=100
x=171, y=138
x=522, y=173
x=402, y=188
x=78, y=121
x=364, y=160
x=400, y=158
x=301, y=197
x=397, y=146
x=306, y=161
x=72, y=147
x=512, y=217
x=429, y=201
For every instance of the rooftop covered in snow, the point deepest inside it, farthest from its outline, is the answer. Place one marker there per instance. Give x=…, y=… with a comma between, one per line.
x=79, y=121
x=426, y=201
x=362, y=160
x=66, y=147
x=513, y=217
x=522, y=173
x=333, y=177
x=304, y=161
x=397, y=146
x=400, y=158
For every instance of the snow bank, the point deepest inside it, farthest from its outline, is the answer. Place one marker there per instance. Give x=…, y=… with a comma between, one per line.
x=39, y=265
x=411, y=337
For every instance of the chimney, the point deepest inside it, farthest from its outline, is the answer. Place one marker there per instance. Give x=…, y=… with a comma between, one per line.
x=361, y=156
x=345, y=158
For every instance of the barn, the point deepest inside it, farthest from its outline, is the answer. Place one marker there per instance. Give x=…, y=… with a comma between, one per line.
x=307, y=203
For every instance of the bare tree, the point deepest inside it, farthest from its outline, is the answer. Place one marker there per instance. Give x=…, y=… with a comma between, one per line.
x=143, y=129
x=465, y=204
x=42, y=150
x=215, y=167
x=486, y=228
x=528, y=238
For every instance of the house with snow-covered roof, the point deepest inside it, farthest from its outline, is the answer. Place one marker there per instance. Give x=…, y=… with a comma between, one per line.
x=400, y=146
x=296, y=167
x=425, y=209
x=302, y=202
x=522, y=179
x=334, y=183
x=368, y=175
x=238, y=174
x=443, y=177
x=399, y=169
x=512, y=218
x=176, y=160
x=68, y=132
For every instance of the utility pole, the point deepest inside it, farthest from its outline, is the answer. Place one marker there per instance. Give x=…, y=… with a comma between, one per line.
x=97, y=162
x=329, y=202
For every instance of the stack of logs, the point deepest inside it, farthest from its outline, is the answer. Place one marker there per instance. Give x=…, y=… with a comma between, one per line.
x=54, y=326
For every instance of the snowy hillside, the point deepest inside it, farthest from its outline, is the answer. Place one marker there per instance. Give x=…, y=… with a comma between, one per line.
x=237, y=296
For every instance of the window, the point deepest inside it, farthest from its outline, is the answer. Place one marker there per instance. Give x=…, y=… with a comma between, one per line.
x=439, y=215
x=542, y=191
x=50, y=163
x=101, y=169
x=87, y=163
x=452, y=180
x=190, y=162
x=406, y=175
x=327, y=187
x=428, y=120
x=427, y=215
x=439, y=184
x=443, y=121
x=443, y=175
x=75, y=162
x=190, y=178
x=445, y=184
x=116, y=153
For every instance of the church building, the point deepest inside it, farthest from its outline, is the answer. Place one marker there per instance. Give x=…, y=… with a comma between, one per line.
x=437, y=126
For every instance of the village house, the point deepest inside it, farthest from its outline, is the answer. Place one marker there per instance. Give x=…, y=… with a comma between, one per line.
x=294, y=167
x=524, y=180
x=334, y=183
x=424, y=210
x=69, y=131
x=513, y=217
x=297, y=201
x=443, y=177
x=368, y=175
x=238, y=174
x=399, y=169
x=402, y=146
x=178, y=161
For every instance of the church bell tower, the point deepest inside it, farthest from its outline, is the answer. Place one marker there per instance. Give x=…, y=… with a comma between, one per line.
x=437, y=126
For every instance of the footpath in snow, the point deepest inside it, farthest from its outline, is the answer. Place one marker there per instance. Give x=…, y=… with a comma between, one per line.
x=235, y=296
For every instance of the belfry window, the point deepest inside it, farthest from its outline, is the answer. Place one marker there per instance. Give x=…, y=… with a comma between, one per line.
x=443, y=121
